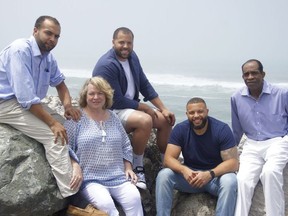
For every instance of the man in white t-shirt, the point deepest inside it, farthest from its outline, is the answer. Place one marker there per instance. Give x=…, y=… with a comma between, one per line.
x=121, y=67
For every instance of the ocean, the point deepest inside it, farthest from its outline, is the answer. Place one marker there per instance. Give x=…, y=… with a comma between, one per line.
x=176, y=89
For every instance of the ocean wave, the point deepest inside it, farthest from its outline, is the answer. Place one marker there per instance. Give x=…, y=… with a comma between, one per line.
x=174, y=80
x=190, y=81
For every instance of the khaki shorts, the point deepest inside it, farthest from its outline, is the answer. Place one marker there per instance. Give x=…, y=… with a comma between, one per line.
x=123, y=114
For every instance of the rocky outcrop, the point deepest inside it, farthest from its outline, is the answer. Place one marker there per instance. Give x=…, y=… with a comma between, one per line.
x=28, y=188
x=204, y=204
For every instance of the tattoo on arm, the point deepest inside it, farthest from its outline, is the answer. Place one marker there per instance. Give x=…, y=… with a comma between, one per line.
x=229, y=153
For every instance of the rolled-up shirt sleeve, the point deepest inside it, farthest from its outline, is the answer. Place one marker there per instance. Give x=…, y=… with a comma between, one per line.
x=21, y=80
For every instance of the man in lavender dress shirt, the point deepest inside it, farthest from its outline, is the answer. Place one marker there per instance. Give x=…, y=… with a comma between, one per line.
x=260, y=111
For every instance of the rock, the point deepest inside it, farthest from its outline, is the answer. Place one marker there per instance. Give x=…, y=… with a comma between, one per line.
x=201, y=204
x=27, y=185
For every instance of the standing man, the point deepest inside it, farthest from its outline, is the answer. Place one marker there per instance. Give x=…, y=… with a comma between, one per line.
x=27, y=68
x=121, y=67
x=260, y=111
x=210, y=161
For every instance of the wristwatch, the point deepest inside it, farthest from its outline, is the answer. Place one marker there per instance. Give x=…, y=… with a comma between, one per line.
x=212, y=173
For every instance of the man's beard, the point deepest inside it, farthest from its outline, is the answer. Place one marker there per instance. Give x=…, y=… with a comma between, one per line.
x=119, y=54
x=43, y=48
x=201, y=126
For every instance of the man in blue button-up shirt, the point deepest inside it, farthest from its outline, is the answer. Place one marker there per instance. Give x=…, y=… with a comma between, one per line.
x=260, y=111
x=27, y=68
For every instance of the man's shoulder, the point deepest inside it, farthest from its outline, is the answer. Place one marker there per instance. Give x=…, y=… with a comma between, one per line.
x=21, y=44
x=106, y=61
x=239, y=92
x=20, y=47
x=182, y=125
x=276, y=89
x=216, y=122
x=134, y=55
x=108, y=56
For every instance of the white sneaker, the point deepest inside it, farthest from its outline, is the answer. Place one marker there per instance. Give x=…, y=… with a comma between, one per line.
x=140, y=172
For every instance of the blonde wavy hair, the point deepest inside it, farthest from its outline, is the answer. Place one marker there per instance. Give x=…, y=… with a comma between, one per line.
x=102, y=85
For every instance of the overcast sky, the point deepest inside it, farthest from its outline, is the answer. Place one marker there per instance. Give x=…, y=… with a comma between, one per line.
x=179, y=36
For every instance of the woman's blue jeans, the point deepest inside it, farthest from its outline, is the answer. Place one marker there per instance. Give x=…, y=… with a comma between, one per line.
x=224, y=187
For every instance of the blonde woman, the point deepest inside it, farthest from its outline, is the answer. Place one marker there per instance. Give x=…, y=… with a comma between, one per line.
x=101, y=146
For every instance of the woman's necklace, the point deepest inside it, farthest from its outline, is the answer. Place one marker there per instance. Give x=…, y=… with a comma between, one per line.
x=99, y=118
x=102, y=127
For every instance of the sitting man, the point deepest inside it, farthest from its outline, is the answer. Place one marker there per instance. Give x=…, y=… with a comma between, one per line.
x=121, y=67
x=210, y=161
x=27, y=68
x=260, y=111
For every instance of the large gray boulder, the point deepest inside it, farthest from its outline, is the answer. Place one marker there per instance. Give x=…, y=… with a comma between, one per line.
x=201, y=204
x=27, y=186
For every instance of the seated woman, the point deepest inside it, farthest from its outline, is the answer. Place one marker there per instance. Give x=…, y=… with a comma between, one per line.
x=101, y=146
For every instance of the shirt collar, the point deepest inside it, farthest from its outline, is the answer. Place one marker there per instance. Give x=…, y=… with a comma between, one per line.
x=266, y=89
x=35, y=48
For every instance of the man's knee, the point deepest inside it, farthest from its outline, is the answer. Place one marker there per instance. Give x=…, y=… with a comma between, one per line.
x=229, y=180
x=140, y=120
x=145, y=120
x=161, y=123
x=271, y=172
x=163, y=176
x=244, y=178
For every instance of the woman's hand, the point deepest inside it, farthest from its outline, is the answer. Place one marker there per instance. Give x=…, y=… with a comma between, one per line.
x=130, y=175
x=77, y=176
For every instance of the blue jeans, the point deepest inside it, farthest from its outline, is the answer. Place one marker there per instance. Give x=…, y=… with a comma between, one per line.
x=224, y=187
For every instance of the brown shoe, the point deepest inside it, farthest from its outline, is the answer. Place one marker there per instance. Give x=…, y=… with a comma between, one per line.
x=88, y=211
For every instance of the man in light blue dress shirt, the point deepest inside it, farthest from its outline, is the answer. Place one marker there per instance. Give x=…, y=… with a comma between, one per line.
x=260, y=111
x=27, y=68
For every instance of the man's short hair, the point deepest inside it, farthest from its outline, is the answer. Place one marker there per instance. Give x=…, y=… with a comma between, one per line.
x=260, y=66
x=41, y=19
x=196, y=100
x=125, y=30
